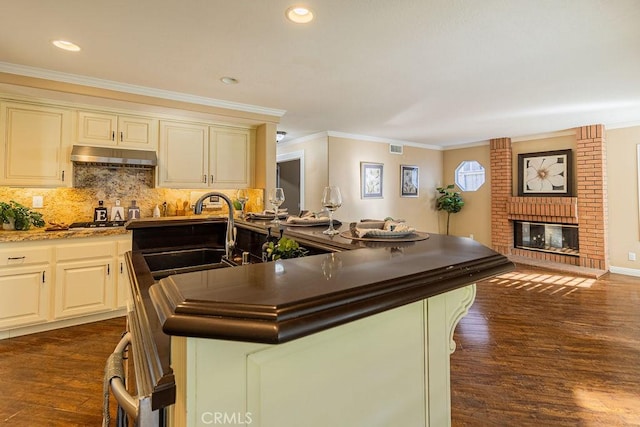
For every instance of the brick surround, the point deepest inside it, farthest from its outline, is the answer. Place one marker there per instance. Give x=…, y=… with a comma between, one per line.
x=588, y=209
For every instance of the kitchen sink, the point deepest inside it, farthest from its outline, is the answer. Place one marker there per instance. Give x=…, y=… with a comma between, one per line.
x=163, y=264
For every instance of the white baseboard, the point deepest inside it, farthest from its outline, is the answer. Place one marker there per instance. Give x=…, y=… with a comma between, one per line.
x=626, y=271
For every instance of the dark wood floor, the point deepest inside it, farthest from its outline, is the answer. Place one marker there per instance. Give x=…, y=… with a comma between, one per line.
x=537, y=349
x=55, y=378
x=545, y=349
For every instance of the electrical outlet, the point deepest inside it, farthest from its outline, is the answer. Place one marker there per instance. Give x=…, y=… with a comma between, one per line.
x=471, y=236
x=37, y=202
x=632, y=256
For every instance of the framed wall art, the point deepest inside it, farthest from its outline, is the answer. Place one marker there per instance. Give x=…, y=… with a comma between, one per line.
x=409, y=176
x=546, y=173
x=371, y=180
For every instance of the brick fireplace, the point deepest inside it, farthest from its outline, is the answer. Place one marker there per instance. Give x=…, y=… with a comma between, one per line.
x=587, y=210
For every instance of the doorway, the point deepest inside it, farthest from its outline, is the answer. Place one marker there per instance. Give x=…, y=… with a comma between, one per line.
x=290, y=177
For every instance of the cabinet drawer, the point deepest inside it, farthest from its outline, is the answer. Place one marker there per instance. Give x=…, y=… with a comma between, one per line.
x=85, y=250
x=25, y=256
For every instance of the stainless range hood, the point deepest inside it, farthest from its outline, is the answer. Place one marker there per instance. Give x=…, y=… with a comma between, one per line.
x=113, y=157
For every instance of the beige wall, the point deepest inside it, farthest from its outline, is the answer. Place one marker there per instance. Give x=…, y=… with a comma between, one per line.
x=345, y=155
x=316, y=168
x=622, y=182
x=475, y=217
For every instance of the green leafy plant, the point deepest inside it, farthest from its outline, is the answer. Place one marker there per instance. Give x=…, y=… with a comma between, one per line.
x=284, y=249
x=22, y=217
x=449, y=201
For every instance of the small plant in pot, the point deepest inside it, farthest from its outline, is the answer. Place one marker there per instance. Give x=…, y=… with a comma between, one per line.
x=449, y=201
x=13, y=215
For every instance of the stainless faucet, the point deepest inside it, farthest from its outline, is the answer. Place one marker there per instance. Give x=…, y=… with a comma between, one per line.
x=230, y=241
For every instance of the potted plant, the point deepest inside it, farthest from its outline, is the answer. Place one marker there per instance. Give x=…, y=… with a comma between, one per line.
x=13, y=215
x=285, y=248
x=449, y=201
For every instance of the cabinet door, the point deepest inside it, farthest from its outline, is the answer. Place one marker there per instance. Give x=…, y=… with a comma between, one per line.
x=122, y=288
x=24, y=295
x=84, y=287
x=34, y=145
x=97, y=128
x=183, y=155
x=107, y=129
x=229, y=157
x=137, y=132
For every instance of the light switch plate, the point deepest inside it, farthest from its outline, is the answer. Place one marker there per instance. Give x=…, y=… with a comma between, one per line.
x=37, y=202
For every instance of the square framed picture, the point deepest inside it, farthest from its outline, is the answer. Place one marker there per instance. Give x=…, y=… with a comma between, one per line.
x=546, y=173
x=409, y=176
x=371, y=180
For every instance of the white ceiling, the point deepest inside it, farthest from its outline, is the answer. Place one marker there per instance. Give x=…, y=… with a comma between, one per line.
x=436, y=72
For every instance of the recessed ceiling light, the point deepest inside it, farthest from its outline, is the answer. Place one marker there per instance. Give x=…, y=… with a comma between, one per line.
x=229, y=80
x=65, y=45
x=299, y=14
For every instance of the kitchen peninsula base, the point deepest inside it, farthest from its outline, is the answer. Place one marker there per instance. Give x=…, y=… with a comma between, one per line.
x=387, y=369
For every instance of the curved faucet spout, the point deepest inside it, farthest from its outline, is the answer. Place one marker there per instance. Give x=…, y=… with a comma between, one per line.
x=230, y=241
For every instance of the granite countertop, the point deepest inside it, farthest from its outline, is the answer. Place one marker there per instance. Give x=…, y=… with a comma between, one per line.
x=36, y=234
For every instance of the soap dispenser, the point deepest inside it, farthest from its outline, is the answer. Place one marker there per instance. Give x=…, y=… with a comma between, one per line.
x=100, y=213
x=133, y=211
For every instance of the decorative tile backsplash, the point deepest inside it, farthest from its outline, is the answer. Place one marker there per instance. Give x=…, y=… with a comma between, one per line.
x=93, y=183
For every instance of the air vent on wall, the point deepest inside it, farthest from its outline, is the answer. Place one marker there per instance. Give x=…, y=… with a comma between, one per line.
x=395, y=149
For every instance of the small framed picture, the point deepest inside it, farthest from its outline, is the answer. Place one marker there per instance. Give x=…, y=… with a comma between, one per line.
x=409, y=181
x=546, y=173
x=371, y=180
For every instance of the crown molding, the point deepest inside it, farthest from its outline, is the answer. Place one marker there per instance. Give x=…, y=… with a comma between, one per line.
x=41, y=73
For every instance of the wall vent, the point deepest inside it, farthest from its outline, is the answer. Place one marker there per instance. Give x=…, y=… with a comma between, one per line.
x=395, y=149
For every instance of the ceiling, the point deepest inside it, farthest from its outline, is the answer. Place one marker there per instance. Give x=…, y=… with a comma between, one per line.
x=436, y=72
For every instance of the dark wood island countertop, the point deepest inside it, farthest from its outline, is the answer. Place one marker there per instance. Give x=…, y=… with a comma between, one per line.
x=275, y=302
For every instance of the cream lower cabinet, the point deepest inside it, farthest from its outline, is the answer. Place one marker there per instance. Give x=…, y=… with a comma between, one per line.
x=25, y=286
x=34, y=145
x=122, y=288
x=194, y=155
x=85, y=278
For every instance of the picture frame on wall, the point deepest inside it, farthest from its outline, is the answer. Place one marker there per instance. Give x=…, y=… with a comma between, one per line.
x=547, y=173
x=409, y=181
x=371, y=180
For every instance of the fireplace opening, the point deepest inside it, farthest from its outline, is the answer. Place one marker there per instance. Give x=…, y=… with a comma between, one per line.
x=546, y=237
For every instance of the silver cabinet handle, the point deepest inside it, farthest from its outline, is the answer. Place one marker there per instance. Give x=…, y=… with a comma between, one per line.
x=121, y=136
x=113, y=135
x=204, y=178
x=212, y=179
x=13, y=258
x=62, y=176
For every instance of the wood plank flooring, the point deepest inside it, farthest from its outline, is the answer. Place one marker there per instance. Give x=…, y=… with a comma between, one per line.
x=545, y=349
x=55, y=378
x=536, y=349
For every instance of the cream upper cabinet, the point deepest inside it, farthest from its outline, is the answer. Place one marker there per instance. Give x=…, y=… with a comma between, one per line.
x=230, y=157
x=183, y=160
x=127, y=131
x=34, y=145
x=194, y=155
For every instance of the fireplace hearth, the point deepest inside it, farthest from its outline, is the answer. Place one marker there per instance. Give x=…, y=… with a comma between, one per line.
x=546, y=237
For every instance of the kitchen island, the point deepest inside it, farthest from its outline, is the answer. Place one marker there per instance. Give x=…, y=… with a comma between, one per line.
x=353, y=335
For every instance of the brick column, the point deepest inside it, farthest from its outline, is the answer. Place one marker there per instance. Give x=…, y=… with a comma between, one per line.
x=501, y=189
x=591, y=179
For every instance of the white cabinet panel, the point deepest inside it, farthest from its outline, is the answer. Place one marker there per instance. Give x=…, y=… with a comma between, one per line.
x=24, y=295
x=183, y=161
x=229, y=158
x=125, y=131
x=34, y=145
x=83, y=287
